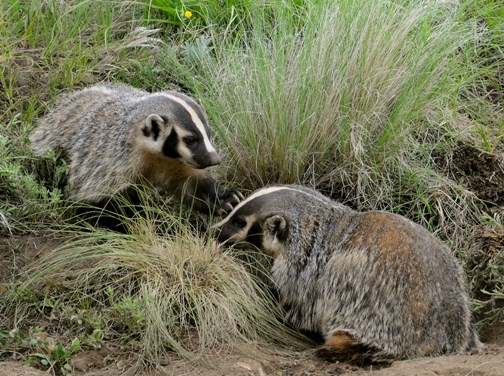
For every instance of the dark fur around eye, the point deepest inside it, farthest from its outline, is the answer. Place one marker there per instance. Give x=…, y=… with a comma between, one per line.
x=190, y=140
x=240, y=223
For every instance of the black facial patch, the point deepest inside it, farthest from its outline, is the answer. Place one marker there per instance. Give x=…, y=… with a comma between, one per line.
x=155, y=130
x=255, y=236
x=170, y=145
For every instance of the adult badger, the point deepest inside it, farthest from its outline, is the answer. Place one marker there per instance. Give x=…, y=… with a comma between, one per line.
x=115, y=136
x=376, y=285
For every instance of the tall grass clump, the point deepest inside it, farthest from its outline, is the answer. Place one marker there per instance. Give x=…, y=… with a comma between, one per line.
x=352, y=101
x=154, y=295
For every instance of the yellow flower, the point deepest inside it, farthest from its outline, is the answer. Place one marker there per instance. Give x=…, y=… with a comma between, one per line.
x=188, y=14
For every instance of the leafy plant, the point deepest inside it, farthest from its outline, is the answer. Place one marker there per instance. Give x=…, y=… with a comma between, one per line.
x=41, y=350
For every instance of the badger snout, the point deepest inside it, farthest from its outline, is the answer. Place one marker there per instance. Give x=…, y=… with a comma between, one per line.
x=223, y=234
x=214, y=159
x=205, y=160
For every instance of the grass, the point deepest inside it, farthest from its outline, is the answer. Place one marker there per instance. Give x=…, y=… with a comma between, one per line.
x=337, y=102
x=156, y=295
x=363, y=100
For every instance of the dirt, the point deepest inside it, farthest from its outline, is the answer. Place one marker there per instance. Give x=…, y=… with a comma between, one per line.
x=482, y=173
x=489, y=362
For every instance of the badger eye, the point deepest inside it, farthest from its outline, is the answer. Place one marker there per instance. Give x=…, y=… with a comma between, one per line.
x=240, y=223
x=190, y=140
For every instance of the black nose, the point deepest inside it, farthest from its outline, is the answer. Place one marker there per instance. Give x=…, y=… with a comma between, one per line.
x=221, y=234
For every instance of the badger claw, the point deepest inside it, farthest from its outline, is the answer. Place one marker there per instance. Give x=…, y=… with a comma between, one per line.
x=229, y=200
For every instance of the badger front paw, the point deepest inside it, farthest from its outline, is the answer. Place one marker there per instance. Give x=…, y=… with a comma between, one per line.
x=229, y=200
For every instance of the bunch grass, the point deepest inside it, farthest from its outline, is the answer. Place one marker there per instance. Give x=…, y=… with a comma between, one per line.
x=337, y=102
x=162, y=289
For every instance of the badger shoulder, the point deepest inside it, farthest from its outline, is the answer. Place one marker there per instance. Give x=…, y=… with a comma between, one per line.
x=384, y=230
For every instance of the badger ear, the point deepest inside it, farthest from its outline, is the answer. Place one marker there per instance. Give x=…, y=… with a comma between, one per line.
x=154, y=125
x=276, y=225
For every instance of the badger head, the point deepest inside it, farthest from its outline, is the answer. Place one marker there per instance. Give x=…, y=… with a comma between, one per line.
x=175, y=126
x=269, y=218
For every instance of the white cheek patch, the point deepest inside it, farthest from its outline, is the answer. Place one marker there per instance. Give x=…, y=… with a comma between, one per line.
x=185, y=153
x=195, y=118
x=150, y=145
x=245, y=230
x=182, y=148
x=272, y=246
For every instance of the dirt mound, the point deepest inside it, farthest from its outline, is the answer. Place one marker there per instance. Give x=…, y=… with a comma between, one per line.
x=481, y=172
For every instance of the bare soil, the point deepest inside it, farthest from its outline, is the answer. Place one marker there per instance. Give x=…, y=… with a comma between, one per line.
x=489, y=362
x=482, y=173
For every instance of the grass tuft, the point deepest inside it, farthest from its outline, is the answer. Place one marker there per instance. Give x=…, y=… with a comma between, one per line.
x=177, y=293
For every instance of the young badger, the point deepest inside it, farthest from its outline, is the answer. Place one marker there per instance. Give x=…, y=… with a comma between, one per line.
x=376, y=285
x=115, y=136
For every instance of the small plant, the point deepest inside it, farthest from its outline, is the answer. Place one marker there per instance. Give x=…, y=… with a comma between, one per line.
x=196, y=15
x=23, y=197
x=41, y=350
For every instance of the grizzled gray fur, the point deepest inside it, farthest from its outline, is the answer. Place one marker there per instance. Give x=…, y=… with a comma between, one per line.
x=115, y=136
x=372, y=283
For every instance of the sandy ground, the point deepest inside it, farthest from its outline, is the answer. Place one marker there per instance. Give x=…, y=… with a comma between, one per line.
x=489, y=361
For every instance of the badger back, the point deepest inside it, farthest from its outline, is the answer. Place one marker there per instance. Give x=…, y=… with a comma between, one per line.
x=61, y=126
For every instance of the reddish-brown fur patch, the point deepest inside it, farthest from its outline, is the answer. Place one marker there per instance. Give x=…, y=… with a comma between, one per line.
x=383, y=234
x=161, y=171
x=342, y=347
x=340, y=342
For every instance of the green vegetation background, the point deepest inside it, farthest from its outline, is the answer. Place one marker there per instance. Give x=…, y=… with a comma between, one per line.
x=363, y=100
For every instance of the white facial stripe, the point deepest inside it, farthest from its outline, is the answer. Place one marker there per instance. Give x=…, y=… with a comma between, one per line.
x=195, y=118
x=259, y=193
